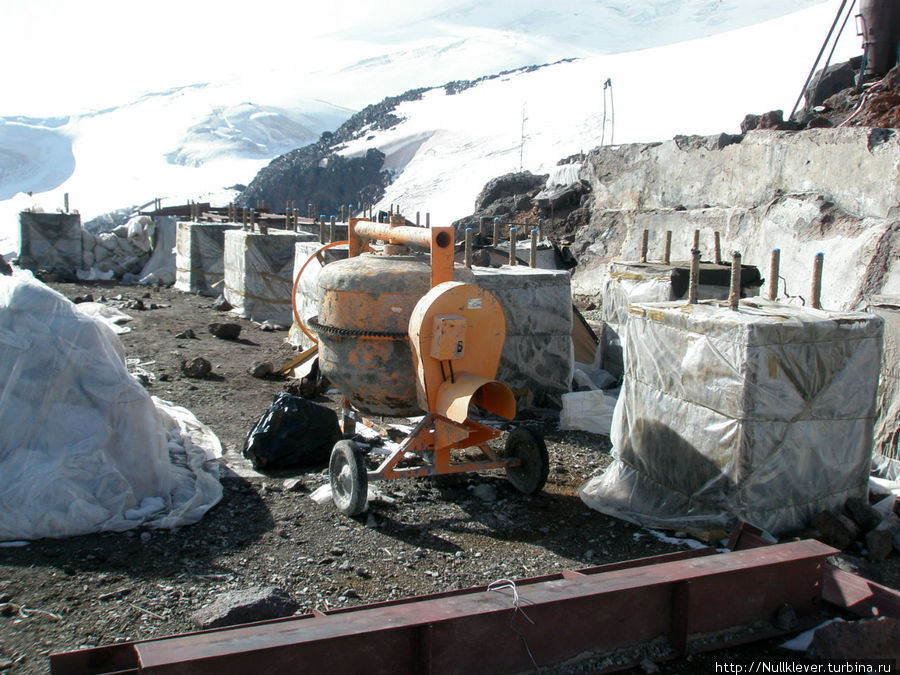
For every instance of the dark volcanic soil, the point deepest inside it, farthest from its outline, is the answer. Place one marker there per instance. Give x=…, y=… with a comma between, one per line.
x=424, y=536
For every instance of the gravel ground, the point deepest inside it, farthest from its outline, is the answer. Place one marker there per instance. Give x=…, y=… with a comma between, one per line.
x=420, y=537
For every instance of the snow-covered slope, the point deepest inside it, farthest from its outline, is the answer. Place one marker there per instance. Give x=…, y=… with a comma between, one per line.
x=218, y=110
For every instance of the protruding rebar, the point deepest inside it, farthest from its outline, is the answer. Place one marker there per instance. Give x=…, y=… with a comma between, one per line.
x=332, y=230
x=244, y=218
x=66, y=202
x=734, y=290
x=645, y=243
x=418, y=220
x=694, y=283
x=667, y=253
x=718, y=248
x=309, y=208
x=496, y=239
x=696, y=246
x=541, y=229
x=468, y=247
x=818, y=263
x=774, y=271
x=321, y=232
x=512, y=246
x=482, y=230
x=532, y=261
x=252, y=219
x=428, y=220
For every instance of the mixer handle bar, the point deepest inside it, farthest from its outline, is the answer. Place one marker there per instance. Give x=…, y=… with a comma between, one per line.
x=437, y=240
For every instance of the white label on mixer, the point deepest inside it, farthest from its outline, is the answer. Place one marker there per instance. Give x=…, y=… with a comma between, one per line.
x=474, y=303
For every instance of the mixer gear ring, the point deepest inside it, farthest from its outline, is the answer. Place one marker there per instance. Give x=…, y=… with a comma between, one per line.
x=353, y=332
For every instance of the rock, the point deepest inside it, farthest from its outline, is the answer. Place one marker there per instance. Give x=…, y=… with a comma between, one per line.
x=750, y=123
x=880, y=544
x=186, y=335
x=197, y=367
x=840, y=641
x=862, y=514
x=137, y=304
x=508, y=185
x=819, y=122
x=78, y=299
x=649, y=667
x=836, y=530
x=5, y=663
x=225, y=331
x=485, y=492
x=261, y=369
x=857, y=566
x=786, y=619
x=220, y=304
x=293, y=485
x=245, y=606
x=481, y=258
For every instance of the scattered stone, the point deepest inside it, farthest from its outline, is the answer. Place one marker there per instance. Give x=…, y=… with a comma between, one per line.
x=293, y=485
x=880, y=543
x=197, y=367
x=837, y=530
x=164, y=377
x=857, y=566
x=261, y=369
x=220, y=304
x=485, y=492
x=862, y=514
x=842, y=640
x=649, y=667
x=225, y=331
x=245, y=606
x=135, y=304
x=786, y=619
x=145, y=537
x=78, y=299
x=186, y=335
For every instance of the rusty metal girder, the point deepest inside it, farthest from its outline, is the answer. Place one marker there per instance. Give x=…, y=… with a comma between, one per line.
x=685, y=600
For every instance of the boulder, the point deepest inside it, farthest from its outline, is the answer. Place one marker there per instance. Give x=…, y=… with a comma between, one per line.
x=245, y=606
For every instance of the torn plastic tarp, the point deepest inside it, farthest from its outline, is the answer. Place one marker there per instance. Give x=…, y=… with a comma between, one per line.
x=84, y=448
x=886, y=449
x=763, y=415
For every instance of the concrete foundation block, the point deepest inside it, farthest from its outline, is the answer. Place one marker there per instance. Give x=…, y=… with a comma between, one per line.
x=50, y=241
x=258, y=274
x=200, y=257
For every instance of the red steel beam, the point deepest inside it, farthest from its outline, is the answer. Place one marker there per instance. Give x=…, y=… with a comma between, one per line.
x=558, y=619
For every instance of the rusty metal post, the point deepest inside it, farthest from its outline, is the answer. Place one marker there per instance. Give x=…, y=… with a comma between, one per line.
x=694, y=283
x=252, y=219
x=532, y=262
x=696, y=246
x=667, y=253
x=734, y=291
x=417, y=219
x=541, y=229
x=481, y=228
x=468, y=247
x=321, y=232
x=332, y=230
x=774, y=271
x=512, y=246
x=244, y=217
x=496, y=238
x=817, y=281
x=645, y=241
x=309, y=211
x=428, y=220
x=66, y=202
x=718, y=249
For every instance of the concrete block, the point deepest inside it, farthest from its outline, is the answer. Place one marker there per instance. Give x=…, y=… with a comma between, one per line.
x=258, y=274
x=538, y=356
x=200, y=257
x=50, y=241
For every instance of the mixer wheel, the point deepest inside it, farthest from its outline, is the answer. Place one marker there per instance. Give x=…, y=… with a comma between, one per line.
x=348, y=477
x=528, y=446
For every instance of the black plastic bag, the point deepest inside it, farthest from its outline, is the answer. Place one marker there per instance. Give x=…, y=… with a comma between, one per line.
x=292, y=431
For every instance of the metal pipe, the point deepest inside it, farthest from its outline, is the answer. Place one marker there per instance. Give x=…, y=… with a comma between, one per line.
x=734, y=292
x=774, y=265
x=468, y=247
x=718, y=248
x=667, y=253
x=534, y=241
x=496, y=238
x=694, y=283
x=818, y=263
x=401, y=234
x=645, y=241
x=512, y=246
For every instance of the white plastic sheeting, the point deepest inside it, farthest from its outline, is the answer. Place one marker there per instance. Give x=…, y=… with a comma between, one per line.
x=83, y=447
x=200, y=257
x=763, y=414
x=160, y=268
x=564, y=174
x=886, y=449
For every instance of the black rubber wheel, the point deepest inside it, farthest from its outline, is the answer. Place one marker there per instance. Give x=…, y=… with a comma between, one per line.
x=348, y=478
x=528, y=446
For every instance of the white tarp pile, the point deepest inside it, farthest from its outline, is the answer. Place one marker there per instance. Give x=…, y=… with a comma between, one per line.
x=83, y=447
x=160, y=268
x=763, y=414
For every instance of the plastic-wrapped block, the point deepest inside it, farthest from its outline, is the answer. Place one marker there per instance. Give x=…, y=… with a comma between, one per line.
x=258, y=274
x=763, y=414
x=50, y=241
x=307, y=289
x=200, y=257
x=886, y=447
x=538, y=357
x=631, y=282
